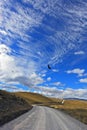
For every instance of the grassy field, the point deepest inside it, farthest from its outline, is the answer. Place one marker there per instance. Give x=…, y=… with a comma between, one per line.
x=75, y=108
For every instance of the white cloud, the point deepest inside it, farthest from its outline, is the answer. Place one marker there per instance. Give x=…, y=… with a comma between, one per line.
x=83, y=80
x=10, y=88
x=55, y=70
x=49, y=79
x=78, y=71
x=43, y=75
x=75, y=93
x=35, y=79
x=3, y=32
x=57, y=84
x=4, y=49
x=60, y=93
x=79, y=53
x=21, y=21
x=7, y=62
x=48, y=91
x=16, y=23
x=13, y=70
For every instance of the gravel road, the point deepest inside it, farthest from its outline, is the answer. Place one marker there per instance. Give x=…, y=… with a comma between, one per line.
x=44, y=118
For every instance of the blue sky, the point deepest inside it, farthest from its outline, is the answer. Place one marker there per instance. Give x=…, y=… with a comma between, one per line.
x=35, y=33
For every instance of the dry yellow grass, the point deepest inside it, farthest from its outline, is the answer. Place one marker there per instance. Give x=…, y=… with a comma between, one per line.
x=76, y=108
x=72, y=104
x=33, y=98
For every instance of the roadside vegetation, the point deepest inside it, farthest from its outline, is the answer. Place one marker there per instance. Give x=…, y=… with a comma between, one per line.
x=75, y=108
x=11, y=106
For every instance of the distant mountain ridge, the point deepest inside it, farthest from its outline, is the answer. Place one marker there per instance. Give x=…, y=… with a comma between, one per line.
x=75, y=99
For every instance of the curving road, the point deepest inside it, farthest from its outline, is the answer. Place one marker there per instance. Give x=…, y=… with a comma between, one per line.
x=44, y=118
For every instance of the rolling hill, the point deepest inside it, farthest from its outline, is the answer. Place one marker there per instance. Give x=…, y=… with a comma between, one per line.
x=34, y=98
x=14, y=104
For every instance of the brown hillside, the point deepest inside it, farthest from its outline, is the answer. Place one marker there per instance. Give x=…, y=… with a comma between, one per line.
x=11, y=106
x=34, y=98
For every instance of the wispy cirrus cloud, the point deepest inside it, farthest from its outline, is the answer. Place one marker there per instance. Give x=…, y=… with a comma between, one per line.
x=58, y=84
x=33, y=41
x=66, y=25
x=79, y=53
x=3, y=32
